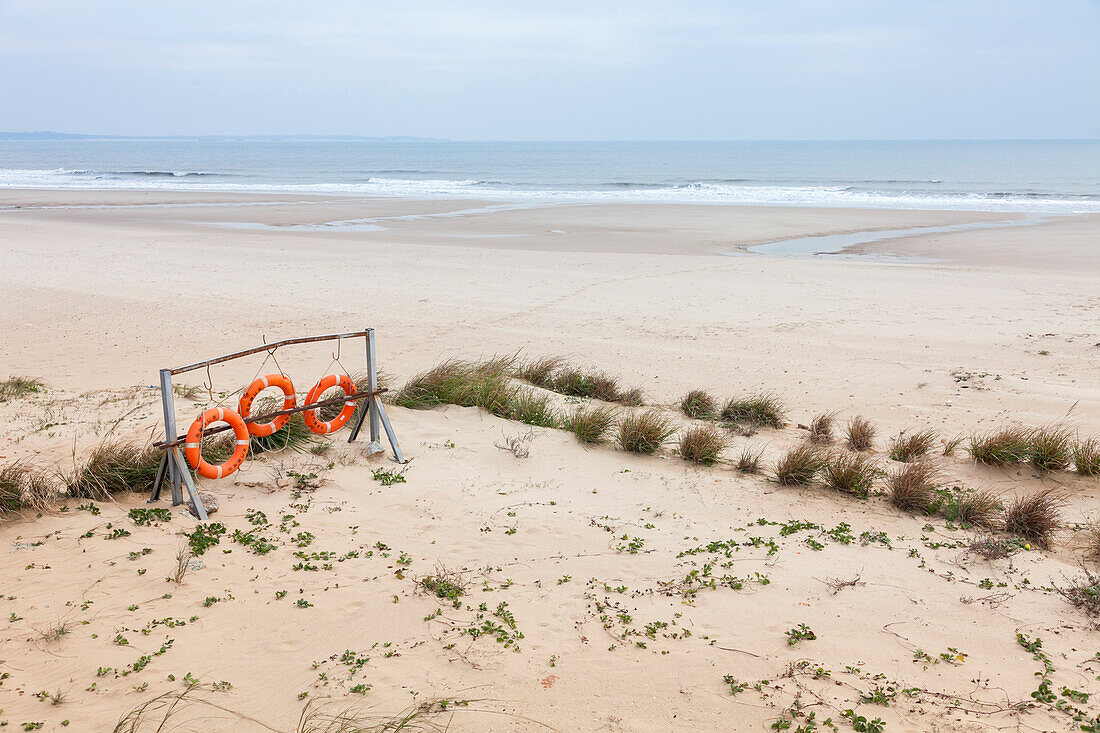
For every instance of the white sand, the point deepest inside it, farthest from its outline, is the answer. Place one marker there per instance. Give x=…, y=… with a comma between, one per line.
x=95, y=300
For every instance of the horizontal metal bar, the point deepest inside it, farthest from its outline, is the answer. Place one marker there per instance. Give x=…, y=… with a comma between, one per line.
x=266, y=347
x=180, y=440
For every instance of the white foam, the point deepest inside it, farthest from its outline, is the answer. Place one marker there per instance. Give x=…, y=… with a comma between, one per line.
x=696, y=193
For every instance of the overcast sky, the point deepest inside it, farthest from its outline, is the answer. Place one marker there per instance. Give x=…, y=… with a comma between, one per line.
x=554, y=70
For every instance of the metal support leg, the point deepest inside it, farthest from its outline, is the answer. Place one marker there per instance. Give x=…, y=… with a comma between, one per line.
x=174, y=472
x=369, y=410
x=389, y=430
x=200, y=510
x=162, y=469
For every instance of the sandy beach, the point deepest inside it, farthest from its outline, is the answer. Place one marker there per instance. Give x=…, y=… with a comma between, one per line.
x=576, y=556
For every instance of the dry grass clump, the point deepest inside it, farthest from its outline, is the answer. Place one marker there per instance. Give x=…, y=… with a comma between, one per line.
x=861, y=434
x=590, y=424
x=633, y=397
x=1086, y=457
x=799, y=466
x=913, y=487
x=750, y=459
x=993, y=548
x=1036, y=517
x=15, y=387
x=644, y=432
x=114, y=466
x=1083, y=593
x=906, y=447
x=484, y=384
x=1088, y=539
x=24, y=488
x=540, y=372
x=445, y=584
x=703, y=444
x=1050, y=448
x=974, y=507
x=850, y=473
x=189, y=708
x=699, y=405
x=527, y=406
x=760, y=409
x=1005, y=447
x=821, y=428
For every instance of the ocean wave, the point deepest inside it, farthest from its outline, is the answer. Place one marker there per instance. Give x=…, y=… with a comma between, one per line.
x=837, y=194
x=90, y=173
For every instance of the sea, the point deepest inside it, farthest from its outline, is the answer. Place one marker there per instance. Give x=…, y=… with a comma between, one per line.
x=1056, y=176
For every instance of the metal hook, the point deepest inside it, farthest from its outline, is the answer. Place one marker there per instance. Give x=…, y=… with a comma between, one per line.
x=339, y=346
x=209, y=383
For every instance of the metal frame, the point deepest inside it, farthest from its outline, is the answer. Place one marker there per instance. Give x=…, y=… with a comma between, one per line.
x=175, y=469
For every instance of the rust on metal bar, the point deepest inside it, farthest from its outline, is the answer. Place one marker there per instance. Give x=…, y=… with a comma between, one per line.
x=266, y=347
x=180, y=440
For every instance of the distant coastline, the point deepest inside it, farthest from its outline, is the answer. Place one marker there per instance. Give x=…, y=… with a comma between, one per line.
x=53, y=136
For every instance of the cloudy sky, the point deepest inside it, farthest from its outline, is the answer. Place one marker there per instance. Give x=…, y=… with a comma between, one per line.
x=561, y=70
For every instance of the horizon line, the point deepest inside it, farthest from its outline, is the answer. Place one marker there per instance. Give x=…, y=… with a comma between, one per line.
x=9, y=136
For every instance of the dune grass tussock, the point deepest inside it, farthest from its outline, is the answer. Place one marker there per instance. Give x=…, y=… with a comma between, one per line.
x=703, y=444
x=485, y=384
x=699, y=405
x=850, y=473
x=294, y=436
x=644, y=432
x=11, y=488
x=966, y=506
x=532, y=408
x=591, y=424
x=15, y=387
x=1086, y=456
x=1035, y=517
x=1050, y=448
x=821, y=428
x=750, y=460
x=540, y=372
x=1005, y=447
x=557, y=374
x=861, y=434
x=114, y=466
x=906, y=447
x=799, y=466
x=596, y=385
x=23, y=488
x=572, y=382
x=912, y=487
x=764, y=409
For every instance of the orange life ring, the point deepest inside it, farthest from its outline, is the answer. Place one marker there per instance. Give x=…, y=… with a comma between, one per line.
x=244, y=407
x=194, y=436
x=310, y=416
